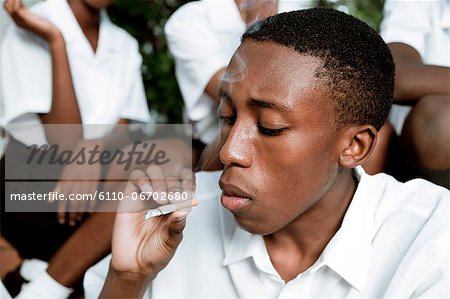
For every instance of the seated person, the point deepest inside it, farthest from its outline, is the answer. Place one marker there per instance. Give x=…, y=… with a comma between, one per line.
x=418, y=35
x=202, y=36
x=301, y=217
x=62, y=62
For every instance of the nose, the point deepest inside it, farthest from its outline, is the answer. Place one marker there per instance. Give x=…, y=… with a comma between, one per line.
x=238, y=146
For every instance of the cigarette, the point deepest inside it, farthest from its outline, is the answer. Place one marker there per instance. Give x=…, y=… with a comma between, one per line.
x=167, y=209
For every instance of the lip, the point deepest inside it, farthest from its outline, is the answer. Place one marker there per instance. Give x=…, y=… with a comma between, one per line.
x=233, y=198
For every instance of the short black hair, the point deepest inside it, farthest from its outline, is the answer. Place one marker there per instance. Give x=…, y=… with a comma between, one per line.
x=357, y=65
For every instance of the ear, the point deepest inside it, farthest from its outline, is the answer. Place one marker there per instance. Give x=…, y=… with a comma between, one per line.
x=357, y=144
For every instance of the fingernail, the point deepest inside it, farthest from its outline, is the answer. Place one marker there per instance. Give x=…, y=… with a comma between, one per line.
x=182, y=216
x=72, y=222
x=147, y=188
x=60, y=220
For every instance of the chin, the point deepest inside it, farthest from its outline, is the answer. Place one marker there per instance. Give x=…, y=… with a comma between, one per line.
x=255, y=227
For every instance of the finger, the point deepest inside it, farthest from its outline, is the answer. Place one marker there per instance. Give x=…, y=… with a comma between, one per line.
x=133, y=200
x=80, y=209
x=173, y=184
x=187, y=178
x=62, y=211
x=16, y=5
x=177, y=223
x=72, y=218
x=56, y=190
x=158, y=181
x=140, y=179
x=173, y=187
x=8, y=5
x=73, y=205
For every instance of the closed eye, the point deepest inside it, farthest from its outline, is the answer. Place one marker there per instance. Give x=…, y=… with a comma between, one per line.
x=270, y=132
x=228, y=120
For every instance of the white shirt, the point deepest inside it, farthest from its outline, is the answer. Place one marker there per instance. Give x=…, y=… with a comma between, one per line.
x=202, y=36
x=108, y=83
x=423, y=25
x=393, y=243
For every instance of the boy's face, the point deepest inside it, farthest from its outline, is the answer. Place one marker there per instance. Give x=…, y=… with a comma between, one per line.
x=280, y=150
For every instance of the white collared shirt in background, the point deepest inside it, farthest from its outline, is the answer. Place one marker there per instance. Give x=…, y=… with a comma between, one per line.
x=393, y=243
x=423, y=25
x=108, y=83
x=202, y=36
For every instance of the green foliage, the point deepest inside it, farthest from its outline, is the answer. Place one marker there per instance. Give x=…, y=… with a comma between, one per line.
x=369, y=11
x=145, y=20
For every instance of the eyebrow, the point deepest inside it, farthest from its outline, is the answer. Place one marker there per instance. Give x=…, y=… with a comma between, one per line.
x=264, y=104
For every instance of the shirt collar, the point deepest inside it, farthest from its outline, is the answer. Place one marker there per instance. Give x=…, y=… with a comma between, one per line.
x=349, y=251
x=62, y=16
x=106, y=35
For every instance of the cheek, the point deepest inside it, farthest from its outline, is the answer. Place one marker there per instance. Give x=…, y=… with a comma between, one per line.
x=291, y=180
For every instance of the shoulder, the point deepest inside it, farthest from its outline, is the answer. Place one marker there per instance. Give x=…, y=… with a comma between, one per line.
x=415, y=213
x=42, y=8
x=417, y=196
x=188, y=15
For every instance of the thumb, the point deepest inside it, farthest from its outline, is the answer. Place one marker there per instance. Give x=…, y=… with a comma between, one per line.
x=177, y=223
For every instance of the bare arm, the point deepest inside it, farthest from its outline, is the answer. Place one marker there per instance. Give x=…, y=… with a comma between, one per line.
x=119, y=285
x=64, y=108
x=414, y=79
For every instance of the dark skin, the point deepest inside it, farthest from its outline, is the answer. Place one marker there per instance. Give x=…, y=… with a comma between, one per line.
x=64, y=110
x=425, y=139
x=252, y=10
x=415, y=79
x=298, y=144
x=275, y=136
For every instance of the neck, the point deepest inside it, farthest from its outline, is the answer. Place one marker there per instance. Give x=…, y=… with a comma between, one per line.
x=303, y=240
x=87, y=17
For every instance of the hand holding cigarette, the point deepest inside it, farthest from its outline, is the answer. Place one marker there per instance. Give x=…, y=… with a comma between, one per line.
x=170, y=208
x=143, y=246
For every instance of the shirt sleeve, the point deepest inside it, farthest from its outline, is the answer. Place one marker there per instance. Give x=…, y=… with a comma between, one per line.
x=407, y=22
x=25, y=66
x=198, y=56
x=135, y=107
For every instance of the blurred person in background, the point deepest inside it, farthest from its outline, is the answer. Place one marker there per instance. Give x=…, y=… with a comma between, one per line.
x=418, y=35
x=202, y=36
x=63, y=62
